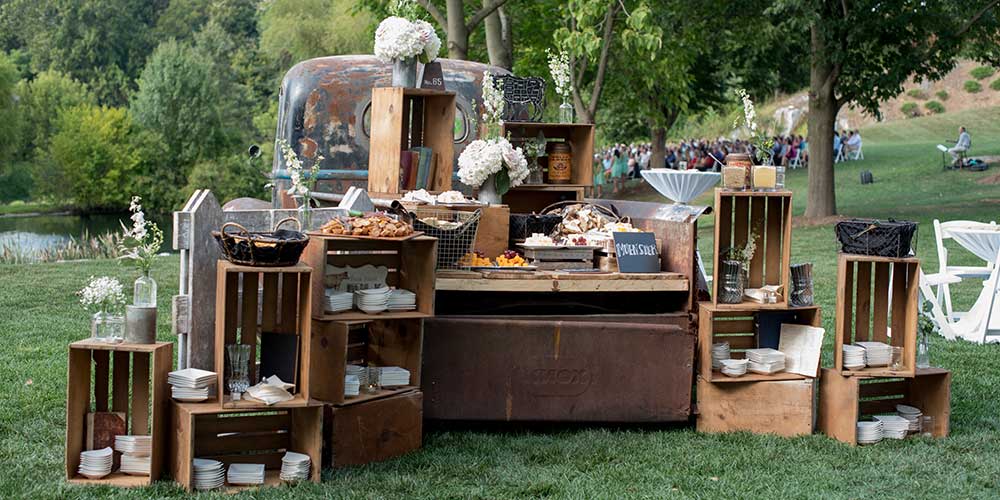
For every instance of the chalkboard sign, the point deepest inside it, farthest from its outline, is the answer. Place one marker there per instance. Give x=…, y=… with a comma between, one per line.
x=637, y=253
x=279, y=355
x=433, y=77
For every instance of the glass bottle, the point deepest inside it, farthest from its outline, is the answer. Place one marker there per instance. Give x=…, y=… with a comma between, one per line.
x=565, y=111
x=923, y=351
x=239, y=366
x=144, y=291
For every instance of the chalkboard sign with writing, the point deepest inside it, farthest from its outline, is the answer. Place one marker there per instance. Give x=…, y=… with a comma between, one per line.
x=637, y=253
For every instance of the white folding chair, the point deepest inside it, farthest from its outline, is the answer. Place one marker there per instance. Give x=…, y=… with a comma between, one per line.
x=797, y=161
x=857, y=154
x=840, y=154
x=962, y=272
x=927, y=292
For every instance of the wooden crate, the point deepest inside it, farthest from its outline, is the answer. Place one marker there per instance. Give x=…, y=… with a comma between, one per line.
x=396, y=342
x=845, y=400
x=411, y=265
x=766, y=215
x=373, y=431
x=738, y=328
x=783, y=407
x=877, y=300
x=560, y=258
x=140, y=393
x=535, y=197
x=252, y=300
x=239, y=435
x=580, y=137
x=405, y=118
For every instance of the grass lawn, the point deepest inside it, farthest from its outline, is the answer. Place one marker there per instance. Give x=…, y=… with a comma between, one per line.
x=31, y=207
x=39, y=317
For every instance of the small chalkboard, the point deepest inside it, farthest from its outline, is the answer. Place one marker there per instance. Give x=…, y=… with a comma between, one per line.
x=279, y=355
x=637, y=253
x=433, y=77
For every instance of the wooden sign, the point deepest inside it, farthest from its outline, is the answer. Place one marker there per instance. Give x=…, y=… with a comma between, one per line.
x=637, y=253
x=433, y=77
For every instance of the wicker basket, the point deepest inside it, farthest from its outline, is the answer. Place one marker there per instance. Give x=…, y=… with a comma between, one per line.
x=889, y=238
x=277, y=248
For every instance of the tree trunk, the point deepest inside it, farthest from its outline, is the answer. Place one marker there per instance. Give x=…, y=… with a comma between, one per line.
x=823, y=107
x=458, y=35
x=659, y=137
x=495, y=43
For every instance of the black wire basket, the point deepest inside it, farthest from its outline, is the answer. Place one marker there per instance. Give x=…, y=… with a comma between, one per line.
x=888, y=238
x=455, y=231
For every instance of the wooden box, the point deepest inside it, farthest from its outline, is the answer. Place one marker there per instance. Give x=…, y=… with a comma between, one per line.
x=845, y=400
x=373, y=431
x=551, y=259
x=252, y=300
x=379, y=343
x=405, y=118
x=534, y=197
x=877, y=300
x=783, y=407
x=410, y=264
x=239, y=435
x=140, y=393
x=738, y=328
x=768, y=217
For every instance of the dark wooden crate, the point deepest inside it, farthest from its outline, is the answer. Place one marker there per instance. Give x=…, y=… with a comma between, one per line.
x=373, y=431
x=784, y=407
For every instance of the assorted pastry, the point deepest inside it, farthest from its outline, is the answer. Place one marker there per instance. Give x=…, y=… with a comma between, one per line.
x=375, y=226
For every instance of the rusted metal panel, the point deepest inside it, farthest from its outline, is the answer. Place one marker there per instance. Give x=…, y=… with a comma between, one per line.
x=549, y=370
x=372, y=431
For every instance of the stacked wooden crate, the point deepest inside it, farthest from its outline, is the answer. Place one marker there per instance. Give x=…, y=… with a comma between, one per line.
x=780, y=403
x=532, y=198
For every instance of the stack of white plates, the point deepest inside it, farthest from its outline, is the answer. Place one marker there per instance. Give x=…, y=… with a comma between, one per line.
x=96, y=464
x=140, y=446
x=402, y=300
x=869, y=432
x=854, y=357
x=208, y=474
x=912, y=414
x=373, y=300
x=338, y=301
x=352, y=385
x=190, y=384
x=720, y=351
x=766, y=360
x=135, y=465
x=392, y=376
x=245, y=474
x=876, y=353
x=734, y=367
x=295, y=466
x=893, y=426
x=361, y=372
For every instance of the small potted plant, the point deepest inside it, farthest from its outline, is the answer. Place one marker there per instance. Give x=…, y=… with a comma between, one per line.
x=735, y=267
x=140, y=244
x=105, y=299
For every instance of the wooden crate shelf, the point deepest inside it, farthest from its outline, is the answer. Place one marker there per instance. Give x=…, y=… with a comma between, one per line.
x=877, y=300
x=784, y=408
x=380, y=343
x=410, y=265
x=533, y=198
x=766, y=215
x=137, y=377
x=251, y=301
x=374, y=431
x=580, y=137
x=555, y=281
x=405, y=118
x=739, y=328
x=845, y=400
x=239, y=435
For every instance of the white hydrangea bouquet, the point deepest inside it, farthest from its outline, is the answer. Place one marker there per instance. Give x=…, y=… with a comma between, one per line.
x=492, y=164
x=102, y=295
x=398, y=38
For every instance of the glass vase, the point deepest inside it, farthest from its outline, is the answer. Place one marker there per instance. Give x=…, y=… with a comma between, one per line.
x=305, y=213
x=565, y=111
x=404, y=72
x=239, y=366
x=534, y=172
x=734, y=282
x=923, y=351
x=144, y=291
x=107, y=327
x=488, y=193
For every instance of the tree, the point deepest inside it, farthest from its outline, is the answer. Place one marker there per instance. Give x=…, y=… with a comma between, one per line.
x=296, y=30
x=863, y=51
x=42, y=100
x=458, y=25
x=499, y=37
x=10, y=127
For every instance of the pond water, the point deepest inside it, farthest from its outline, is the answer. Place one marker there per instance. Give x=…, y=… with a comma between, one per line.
x=38, y=232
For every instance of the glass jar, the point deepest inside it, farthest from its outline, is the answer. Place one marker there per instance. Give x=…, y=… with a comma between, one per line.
x=927, y=426
x=239, y=367
x=897, y=358
x=534, y=172
x=764, y=178
x=144, y=291
x=802, y=285
x=373, y=383
x=560, y=163
x=735, y=174
x=779, y=178
x=565, y=111
x=107, y=327
x=734, y=282
x=923, y=351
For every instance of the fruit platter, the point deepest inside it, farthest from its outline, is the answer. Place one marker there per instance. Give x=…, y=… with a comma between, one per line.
x=509, y=260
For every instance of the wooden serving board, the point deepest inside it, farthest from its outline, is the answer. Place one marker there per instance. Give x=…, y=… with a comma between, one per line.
x=360, y=237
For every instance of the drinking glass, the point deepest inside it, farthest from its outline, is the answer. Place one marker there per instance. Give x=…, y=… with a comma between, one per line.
x=927, y=426
x=897, y=358
x=374, y=383
x=802, y=285
x=239, y=366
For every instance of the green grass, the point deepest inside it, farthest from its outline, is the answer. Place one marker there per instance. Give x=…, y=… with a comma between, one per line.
x=39, y=317
x=20, y=207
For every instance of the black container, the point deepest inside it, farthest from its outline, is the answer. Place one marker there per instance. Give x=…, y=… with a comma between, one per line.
x=524, y=225
x=278, y=248
x=890, y=238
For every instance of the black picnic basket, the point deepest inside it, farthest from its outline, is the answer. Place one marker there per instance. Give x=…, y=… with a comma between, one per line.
x=276, y=248
x=880, y=238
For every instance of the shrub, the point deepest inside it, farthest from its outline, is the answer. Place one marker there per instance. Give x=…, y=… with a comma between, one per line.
x=995, y=85
x=942, y=94
x=982, y=72
x=917, y=93
x=42, y=99
x=934, y=107
x=972, y=86
x=910, y=109
x=16, y=182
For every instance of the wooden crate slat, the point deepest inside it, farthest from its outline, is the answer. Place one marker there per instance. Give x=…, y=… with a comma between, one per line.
x=737, y=342
x=269, y=303
x=211, y=425
x=773, y=242
x=751, y=407
x=845, y=310
x=881, y=303
x=786, y=243
x=140, y=393
x=389, y=260
x=77, y=406
x=248, y=323
x=879, y=406
x=288, y=322
x=862, y=316
x=307, y=435
x=757, y=225
x=733, y=326
x=271, y=460
x=102, y=374
x=723, y=238
x=741, y=222
x=120, y=383
x=238, y=443
x=881, y=389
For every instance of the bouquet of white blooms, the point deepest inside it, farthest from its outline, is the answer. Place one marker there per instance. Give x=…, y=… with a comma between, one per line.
x=559, y=68
x=102, y=294
x=398, y=38
x=492, y=154
x=759, y=138
x=142, y=241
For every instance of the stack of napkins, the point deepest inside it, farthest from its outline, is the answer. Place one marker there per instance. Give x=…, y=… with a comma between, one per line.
x=338, y=301
x=854, y=357
x=270, y=391
x=295, y=466
x=191, y=384
x=402, y=300
x=869, y=432
x=391, y=376
x=876, y=353
x=893, y=426
x=352, y=385
x=208, y=474
x=734, y=367
x=766, y=361
x=912, y=414
x=96, y=464
x=245, y=474
x=720, y=351
x=135, y=454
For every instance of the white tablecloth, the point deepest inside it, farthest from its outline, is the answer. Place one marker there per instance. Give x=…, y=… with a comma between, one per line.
x=681, y=186
x=983, y=319
x=982, y=240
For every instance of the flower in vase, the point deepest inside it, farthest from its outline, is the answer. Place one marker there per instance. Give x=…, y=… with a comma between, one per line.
x=102, y=294
x=432, y=44
x=559, y=68
x=493, y=102
x=142, y=241
x=399, y=38
x=485, y=157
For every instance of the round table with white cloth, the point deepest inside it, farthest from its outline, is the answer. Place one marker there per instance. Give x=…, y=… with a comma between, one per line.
x=981, y=239
x=681, y=186
x=983, y=318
